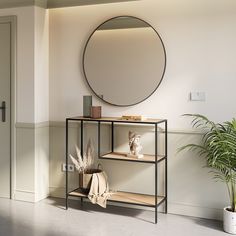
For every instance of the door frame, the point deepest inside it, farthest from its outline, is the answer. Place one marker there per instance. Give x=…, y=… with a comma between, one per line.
x=12, y=20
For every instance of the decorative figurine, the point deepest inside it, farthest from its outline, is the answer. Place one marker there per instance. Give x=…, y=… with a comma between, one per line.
x=134, y=145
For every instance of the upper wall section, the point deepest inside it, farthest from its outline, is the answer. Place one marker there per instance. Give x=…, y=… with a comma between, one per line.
x=41, y=65
x=24, y=62
x=199, y=37
x=32, y=79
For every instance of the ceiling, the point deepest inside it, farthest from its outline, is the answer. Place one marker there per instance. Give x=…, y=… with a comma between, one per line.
x=61, y=3
x=55, y=3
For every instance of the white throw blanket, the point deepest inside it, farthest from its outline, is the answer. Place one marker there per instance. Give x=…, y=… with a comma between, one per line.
x=99, y=190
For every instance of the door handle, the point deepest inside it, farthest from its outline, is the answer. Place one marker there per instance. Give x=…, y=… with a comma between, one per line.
x=3, y=108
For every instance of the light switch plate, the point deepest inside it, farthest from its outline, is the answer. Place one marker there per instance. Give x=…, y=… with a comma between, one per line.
x=197, y=96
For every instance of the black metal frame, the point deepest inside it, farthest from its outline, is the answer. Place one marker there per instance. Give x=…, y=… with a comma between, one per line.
x=83, y=59
x=99, y=121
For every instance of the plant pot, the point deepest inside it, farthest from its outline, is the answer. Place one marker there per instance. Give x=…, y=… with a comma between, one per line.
x=85, y=179
x=229, y=220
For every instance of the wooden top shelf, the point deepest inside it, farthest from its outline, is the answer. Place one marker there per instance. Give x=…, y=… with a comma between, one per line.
x=118, y=120
x=126, y=197
x=121, y=156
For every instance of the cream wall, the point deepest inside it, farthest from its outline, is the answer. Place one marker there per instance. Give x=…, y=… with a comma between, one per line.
x=32, y=66
x=25, y=62
x=41, y=77
x=41, y=65
x=199, y=37
x=30, y=163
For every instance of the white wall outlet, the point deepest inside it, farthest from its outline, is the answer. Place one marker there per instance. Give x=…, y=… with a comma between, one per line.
x=197, y=96
x=71, y=167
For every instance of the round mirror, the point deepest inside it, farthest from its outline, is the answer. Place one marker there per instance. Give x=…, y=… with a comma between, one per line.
x=124, y=61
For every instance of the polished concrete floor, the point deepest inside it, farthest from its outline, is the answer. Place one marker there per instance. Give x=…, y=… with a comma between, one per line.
x=48, y=218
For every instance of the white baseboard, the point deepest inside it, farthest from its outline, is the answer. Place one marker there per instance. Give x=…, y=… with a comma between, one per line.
x=195, y=211
x=28, y=196
x=41, y=196
x=25, y=196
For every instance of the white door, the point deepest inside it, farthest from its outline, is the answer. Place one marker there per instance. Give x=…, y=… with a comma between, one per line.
x=5, y=111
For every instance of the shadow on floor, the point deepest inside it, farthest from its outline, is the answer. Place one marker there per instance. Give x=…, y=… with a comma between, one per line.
x=213, y=224
x=115, y=210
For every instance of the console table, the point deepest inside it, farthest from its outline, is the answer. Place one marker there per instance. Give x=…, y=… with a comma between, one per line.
x=146, y=200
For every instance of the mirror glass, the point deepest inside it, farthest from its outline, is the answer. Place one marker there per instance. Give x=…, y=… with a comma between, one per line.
x=124, y=61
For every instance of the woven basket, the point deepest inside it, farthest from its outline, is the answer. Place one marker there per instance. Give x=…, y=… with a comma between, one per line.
x=85, y=179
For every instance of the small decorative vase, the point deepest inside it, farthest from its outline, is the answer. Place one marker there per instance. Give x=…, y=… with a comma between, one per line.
x=87, y=104
x=229, y=219
x=96, y=112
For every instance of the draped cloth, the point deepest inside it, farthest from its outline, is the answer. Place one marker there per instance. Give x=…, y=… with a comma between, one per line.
x=99, y=189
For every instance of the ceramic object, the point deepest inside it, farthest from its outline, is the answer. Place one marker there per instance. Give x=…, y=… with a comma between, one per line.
x=229, y=220
x=135, y=145
x=87, y=104
x=96, y=112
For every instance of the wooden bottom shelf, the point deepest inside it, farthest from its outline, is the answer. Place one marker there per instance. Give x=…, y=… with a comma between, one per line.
x=126, y=197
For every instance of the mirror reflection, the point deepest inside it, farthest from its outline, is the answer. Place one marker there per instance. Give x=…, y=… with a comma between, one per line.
x=124, y=61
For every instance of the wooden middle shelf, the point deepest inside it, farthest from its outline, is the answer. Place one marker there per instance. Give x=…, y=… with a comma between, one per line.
x=126, y=197
x=122, y=157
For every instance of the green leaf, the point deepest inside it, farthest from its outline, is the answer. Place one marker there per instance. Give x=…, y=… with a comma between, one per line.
x=219, y=149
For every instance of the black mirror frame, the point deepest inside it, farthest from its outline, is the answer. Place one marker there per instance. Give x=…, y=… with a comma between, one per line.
x=83, y=62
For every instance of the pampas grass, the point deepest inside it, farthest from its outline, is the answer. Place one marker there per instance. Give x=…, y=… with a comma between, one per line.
x=82, y=164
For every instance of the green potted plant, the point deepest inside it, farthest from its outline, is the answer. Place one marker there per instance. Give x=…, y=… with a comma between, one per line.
x=219, y=148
